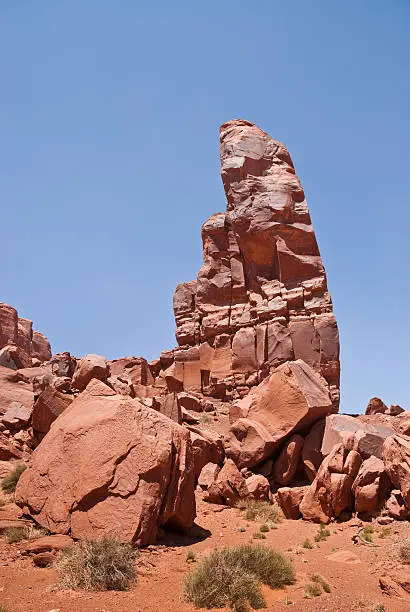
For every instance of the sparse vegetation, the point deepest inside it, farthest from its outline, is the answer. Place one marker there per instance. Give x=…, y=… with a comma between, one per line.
x=9, y=483
x=205, y=419
x=404, y=551
x=97, y=565
x=307, y=544
x=257, y=510
x=191, y=557
x=322, y=534
x=232, y=577
x=259, y=536
x=242, y=529
x=313, y=590
x=318, y=579
x=384, y=532
x=367, y=533
x=16, y=534
x=264, y=528
x=379, y=608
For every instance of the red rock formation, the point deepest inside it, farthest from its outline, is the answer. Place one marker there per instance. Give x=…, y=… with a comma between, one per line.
x=18, y=343
x=260, y=298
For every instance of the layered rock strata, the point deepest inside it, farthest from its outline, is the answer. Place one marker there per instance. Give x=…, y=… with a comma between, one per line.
x=261, y=297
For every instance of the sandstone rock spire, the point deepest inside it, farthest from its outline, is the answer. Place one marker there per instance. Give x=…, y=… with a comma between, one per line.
x=261, y=296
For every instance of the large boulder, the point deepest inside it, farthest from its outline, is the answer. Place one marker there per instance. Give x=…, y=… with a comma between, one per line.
x=376, y=406
x=311, y=452
x=110, y=466
x=290, y=400
x=330, y=492
x=229, y=486
x=289, y=500
x=206, y=448
x=288, y=460
x=90, y=366
x=49, y=405
x=364, y=437
x=396, y=457
x=370, y=485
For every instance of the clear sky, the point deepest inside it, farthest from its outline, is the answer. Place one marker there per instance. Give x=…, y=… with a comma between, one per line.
x=109, y=162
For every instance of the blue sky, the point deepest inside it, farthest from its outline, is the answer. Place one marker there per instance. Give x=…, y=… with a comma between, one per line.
x=109, y=162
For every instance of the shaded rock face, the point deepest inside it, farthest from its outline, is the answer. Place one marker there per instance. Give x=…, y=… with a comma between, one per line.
x=261, y=297
x=19, y=344
x=109, y=466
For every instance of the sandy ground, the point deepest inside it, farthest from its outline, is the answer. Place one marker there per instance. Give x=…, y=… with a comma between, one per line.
x=161, y=569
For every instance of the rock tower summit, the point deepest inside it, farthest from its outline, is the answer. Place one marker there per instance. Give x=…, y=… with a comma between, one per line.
x=261, y=296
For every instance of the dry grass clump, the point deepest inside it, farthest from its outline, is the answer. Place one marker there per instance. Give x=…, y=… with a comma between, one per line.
x=231, y=577
x=313, y=590
x=404, y=551
x=16, y=534
x=9, y=483
x=318, y=579
x=257, y=510
x=367, y=533
x=97, y=565
x=307, y=544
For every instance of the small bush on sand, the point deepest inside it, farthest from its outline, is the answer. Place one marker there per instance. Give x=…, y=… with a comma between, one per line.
x=191, y=557
x=367, y=533
x=384, y=532
x=318, y=579
x=322, y=534
x=259, y=536
x=313, y=590
x=379, y=608
x=232, y=577
x=16, y=534
x=404, y=551
x=9, y=483
x=97, y=565
x=257, y=510
x=307, y=544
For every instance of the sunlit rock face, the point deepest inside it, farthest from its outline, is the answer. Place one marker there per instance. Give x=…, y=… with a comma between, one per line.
x=261, y=296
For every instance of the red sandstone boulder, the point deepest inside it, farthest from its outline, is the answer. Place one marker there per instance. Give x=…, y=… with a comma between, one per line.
x=287, y=462
x=89, y=366
x=206, y=447
x=40, y=348
x=396, y=457
x=258, y=487
x=369, y=485
x=289, y=500
x=364, y=437
x=229, y=486
x=289, y=400
x=376, y=406
x=208, y=475
x=311, y=452
x=396, y=507
x=63, y=364
x=330, y=492
x=110, y=466
x=49, y=405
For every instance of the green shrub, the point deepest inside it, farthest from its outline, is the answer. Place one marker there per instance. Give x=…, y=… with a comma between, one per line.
x=16, y=534
x=322, y=534
x=367, y=533
x=257, y=510
x=9, y=483
x=97, y=565
x=307, y=544
x=264, y=528
x=232, y=577
x=384, y=532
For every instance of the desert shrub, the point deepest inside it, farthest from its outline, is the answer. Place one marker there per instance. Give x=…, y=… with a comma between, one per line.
x=384, y=532
x=257, y=510
x=97, y=565
x=264, y=528
x=232, y=577
x=3, y=609
x=307, y=544
x=16, y=534
x=9, y=483
x=367, y=533
x=318, y=579
x=404, y=551
x=322, y=534
x=242, y=529
x=205, y=419
x=191, y=557
x=259, y=536
x=313, y=589
x=379, y=608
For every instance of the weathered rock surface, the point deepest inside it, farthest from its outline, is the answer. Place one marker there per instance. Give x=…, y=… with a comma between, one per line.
x=396, y=457
x=110, y=466
x=260, y=298
x=90, y=366
x=229, y=486
x=291, y=399
x=258, y=487
x=288, y=460
x=369, y=485
x=19, y=344
x=49, y=405
x=14, y=389
x=289, y=500
x=366, y=438
x=311, y=452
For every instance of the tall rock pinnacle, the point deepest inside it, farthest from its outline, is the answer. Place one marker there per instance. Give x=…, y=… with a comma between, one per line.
x=261, y=297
